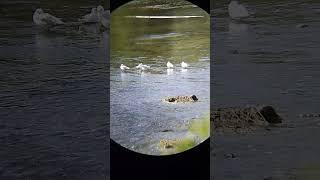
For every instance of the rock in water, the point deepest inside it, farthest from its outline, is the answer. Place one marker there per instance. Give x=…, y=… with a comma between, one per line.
x=172, y=99
x=243, y=119
x=181, y=99
x=237, y=119
x=270, y=115
x=302, y=26
x=194, y=97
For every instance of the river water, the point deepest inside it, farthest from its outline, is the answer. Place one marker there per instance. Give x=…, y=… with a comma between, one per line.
x=267, y=59
x=53, y=108
x=138, y=115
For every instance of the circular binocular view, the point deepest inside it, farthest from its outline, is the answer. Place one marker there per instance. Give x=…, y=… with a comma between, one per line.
x=160, y=76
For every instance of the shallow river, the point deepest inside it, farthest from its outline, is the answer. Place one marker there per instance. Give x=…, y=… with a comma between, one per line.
x=266, y=59
x=138, y=114
x=53, y=104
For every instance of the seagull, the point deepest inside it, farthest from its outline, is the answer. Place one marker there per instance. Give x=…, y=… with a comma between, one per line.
x=103, y=16
x=184, y=65
x=142, y=66
x=123, y=67
x=92, y=17
x=169, y=65
x=44, y=19
x=236, y=10
x=100, y=8
x=139, y=66
x=105, y=19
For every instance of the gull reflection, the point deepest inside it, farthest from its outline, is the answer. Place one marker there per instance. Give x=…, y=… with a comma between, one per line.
x=169, y=71
x=89, y=28
x=183, y=70
x=236, y=28
x=123, y=76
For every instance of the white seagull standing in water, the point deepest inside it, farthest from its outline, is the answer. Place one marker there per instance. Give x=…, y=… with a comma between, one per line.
x=236, y=10
x=100, y=9
x=142, y=66
x=92, y=17
x=184, y=65
x=45, y=19
x=123, y=67
x=169, y=65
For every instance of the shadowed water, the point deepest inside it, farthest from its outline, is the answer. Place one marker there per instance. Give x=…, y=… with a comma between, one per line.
x=267, y=59
x=53, y=107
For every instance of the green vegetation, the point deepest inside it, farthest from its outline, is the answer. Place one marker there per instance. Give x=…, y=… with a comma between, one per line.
x=309, y=173
x=201, y=127
x=185, y=144
x=198, y=131
x=180, y=145
x=176, y=38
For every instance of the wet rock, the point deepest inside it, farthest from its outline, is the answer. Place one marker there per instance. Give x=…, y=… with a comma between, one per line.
x=167, y=130
x=270, y=115
x=171, y=99
x=302, y=26
x=194, y=97
x=237, y=119
x=181, y=99
x=244, y=119
x=230, y=156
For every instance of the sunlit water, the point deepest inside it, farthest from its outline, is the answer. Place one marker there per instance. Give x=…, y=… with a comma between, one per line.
x=138, y=115
x=53, y=104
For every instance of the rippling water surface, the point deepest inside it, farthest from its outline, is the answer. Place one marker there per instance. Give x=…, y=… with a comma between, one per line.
x=138, y=115
x=266, y=59
x=53, y=94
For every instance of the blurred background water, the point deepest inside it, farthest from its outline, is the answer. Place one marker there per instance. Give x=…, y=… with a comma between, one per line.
x=53, y=108
x=266, y=59
x=138, y=115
